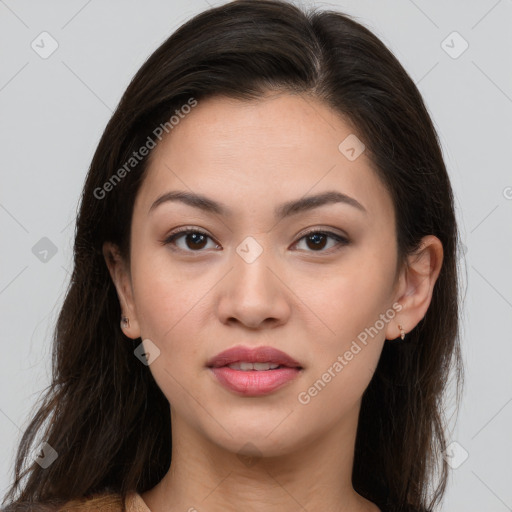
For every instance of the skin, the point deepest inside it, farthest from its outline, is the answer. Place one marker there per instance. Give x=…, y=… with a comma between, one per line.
x=269, y=453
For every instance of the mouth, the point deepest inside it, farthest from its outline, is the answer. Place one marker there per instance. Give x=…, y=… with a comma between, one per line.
x=254, y=372
x=245, y=366
x=257, y=359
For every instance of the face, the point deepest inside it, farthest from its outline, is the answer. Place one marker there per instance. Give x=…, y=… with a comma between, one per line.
x=315, y=280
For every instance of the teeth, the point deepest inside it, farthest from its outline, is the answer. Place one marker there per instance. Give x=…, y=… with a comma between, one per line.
x=253, y=366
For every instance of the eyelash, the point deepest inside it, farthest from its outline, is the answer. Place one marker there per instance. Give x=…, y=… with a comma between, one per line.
x=342, y=241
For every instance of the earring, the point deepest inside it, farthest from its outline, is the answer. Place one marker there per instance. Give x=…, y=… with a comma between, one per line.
x=402, y=332
x=125, y=322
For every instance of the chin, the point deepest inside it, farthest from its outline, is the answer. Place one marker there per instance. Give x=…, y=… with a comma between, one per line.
x=253, y=440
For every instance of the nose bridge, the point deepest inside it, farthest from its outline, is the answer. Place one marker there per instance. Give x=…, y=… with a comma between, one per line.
x=253, y=294
x=252, y=276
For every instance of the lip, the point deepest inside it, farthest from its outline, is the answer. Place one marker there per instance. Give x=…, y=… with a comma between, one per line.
x=252, y=355
x=254, y=382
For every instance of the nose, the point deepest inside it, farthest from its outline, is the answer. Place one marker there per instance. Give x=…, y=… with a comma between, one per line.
x=254, y=294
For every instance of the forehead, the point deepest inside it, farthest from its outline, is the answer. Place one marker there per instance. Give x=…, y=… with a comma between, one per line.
x=279, y=147
x=292, y=126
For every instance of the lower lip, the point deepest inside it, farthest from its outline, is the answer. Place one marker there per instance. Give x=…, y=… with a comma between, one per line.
x=254, y=382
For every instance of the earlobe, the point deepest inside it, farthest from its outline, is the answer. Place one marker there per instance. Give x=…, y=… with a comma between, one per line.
x=121, y=279
x=417, y=285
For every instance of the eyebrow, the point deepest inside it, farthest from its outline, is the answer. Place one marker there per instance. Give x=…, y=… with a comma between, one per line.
x=284, y=210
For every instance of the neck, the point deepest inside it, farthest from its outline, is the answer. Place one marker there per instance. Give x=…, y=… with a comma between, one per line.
x=313, y=476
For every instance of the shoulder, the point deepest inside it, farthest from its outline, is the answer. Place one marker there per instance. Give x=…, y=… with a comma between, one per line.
x=101, y=502
x=96, y=503
x=108, y=502
x=408, y=508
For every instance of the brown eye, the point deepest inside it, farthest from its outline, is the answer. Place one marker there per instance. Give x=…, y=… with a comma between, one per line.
x=190, y=240
x=316, y=241
x=195, y=240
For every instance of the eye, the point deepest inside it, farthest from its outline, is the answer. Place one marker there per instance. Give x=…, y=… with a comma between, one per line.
x=192, y=240
x=318, y=240
x=195, y=240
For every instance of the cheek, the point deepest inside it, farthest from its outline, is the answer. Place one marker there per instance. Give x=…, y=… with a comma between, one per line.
x=350, y=299
x=352, y=313
x=167, y=308
x=163, y=293
x=170, y=305
x=344, y=357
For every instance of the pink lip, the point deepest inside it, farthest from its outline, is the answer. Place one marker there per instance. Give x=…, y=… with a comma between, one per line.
x=254, y=382
x=252, y=355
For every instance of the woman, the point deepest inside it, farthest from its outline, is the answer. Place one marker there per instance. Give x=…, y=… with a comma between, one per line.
x=263, y=308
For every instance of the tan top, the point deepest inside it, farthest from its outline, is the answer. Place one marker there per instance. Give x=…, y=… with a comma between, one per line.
x=135, y=503
x=106, y=503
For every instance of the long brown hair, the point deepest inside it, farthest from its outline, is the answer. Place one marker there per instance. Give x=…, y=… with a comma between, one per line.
x=103, y=413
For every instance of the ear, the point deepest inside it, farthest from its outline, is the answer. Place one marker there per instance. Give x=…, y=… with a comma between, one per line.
x=120, y=274
x=416, y=284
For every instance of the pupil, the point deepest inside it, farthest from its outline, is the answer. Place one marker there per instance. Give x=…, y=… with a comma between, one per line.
x=197, y=238
x=315, y=239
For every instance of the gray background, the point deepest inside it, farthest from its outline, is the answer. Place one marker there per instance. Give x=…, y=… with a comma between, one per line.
x=54, y=109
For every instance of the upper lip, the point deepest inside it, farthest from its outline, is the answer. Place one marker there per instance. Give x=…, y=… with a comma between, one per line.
x=252, y=355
